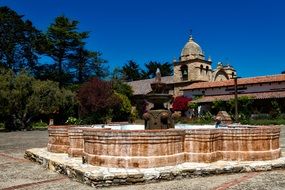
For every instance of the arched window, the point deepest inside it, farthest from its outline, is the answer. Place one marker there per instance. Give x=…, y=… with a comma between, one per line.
x=184, y=72
x=207, y=69
x=201, y=69
x=233, y=74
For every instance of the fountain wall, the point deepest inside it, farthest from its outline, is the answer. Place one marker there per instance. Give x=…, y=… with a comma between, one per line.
x=133, y=149
x=155, y=148
x=242, y=144
x=58, y=141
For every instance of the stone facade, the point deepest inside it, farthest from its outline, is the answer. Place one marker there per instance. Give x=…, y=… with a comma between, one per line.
x=192, y=67
x=197, y=70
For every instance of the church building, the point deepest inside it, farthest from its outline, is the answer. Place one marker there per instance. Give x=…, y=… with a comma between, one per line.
x=192, y=67
x=195, y=77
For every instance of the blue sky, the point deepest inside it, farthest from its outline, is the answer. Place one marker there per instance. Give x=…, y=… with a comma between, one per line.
x=248, y=34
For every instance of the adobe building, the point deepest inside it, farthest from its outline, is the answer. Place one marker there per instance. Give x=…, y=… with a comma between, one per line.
x=192, y=67
x=195, y=77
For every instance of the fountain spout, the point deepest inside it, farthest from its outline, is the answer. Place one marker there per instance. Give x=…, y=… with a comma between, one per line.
x=157, y=76
x=158, y=117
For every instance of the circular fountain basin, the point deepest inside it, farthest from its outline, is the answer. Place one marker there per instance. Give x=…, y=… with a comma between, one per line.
x=129, y=148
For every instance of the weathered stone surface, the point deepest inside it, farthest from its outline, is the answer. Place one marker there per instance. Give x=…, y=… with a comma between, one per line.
x=103, y=176
x=58, y=140
x=225, y=118
x=133, y=149
x=158, y=148
x=76, y=140
x=242, y=143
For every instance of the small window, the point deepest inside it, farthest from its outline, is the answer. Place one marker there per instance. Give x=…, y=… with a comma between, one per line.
x=184, y=72
x=233, y=74
x=207, y=69
x=201, y=68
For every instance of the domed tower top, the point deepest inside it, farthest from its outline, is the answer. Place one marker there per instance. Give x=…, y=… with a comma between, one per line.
x=191, y=50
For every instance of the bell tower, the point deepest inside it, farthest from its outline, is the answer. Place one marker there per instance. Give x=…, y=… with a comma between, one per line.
x=192, y=65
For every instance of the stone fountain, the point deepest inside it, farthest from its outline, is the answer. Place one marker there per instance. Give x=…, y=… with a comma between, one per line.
x=100, y=156
x=158, y=117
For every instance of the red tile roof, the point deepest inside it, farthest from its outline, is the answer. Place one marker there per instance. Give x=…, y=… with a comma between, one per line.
x=240, y=81
x=259, y=95
x=143, y=86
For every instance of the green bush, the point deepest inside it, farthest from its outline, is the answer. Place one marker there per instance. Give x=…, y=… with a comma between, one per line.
x=39, y=124
x=2, y=126
x=198, y=121
x=73, y=121
x=134, y=115
x=244, y=106
x=24, y=98
x=275, y=112
x=122, y=88
x=122, y=110
x=260, y=116
x=97, y=117
x=277, y=121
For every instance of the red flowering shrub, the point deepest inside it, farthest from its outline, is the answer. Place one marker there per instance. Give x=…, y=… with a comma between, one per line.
x=96, y=99
x=180, y=103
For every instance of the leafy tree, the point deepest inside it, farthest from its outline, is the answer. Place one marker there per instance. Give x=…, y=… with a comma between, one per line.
x=64, y=39
x=46, y=72
x=24, y=98
x=194, y=106
x=87, y=64
x=151, y=67
x=20, y=42
x=96, y=100
x=117, y=74
x=244, y=106
x=219, y=105
x=131, y=71
x=275, y=109
x=122, y=109
x=122, y=88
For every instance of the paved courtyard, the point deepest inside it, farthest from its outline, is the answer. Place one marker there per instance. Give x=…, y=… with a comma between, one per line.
x=19, y=173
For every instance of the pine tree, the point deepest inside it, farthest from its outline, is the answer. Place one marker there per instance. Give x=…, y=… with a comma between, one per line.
x=87, y=64
x=131, y=71
x=64, y=39
x=20, y=42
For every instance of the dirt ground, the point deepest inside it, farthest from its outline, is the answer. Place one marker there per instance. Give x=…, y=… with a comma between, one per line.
x=19, y=173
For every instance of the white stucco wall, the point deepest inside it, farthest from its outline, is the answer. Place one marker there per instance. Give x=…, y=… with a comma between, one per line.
x=266, y=87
